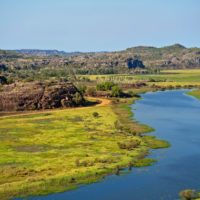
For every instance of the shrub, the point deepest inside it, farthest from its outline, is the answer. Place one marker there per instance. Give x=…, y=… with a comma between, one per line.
x=91, y=91
x=116, y=91
x=95, y=114
x=129, y=144
x=105, y=86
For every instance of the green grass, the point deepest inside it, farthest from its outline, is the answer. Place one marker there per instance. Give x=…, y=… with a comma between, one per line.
x=195, y=93
x=165, y=78
x=154, y=143
x=174, y=76
x=57, y=151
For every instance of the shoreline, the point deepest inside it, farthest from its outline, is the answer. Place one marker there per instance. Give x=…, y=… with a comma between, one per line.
x=194, y=93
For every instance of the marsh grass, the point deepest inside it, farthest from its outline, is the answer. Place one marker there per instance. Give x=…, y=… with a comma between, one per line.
x=144, y=162
x=155, y=143
x=195, y=93
x=58, y=151
x=174, y=79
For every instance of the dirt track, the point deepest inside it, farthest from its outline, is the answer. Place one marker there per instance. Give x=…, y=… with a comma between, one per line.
x=103, y=102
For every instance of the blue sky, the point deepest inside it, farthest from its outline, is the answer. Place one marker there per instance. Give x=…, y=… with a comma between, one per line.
x=98, y=25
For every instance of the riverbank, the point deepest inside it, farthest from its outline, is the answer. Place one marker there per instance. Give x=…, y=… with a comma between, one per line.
x=57, y=151
x=195, y=93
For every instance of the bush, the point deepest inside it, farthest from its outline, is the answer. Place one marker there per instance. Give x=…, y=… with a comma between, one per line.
x=95, y=114
x=105, y=86
x=129, y=144
x=116, y=92
x=91, y=91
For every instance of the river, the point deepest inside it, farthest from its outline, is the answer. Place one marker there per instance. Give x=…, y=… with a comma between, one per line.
x=176, y=118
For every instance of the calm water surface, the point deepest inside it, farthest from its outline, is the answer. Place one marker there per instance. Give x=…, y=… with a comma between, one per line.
x=176, y=118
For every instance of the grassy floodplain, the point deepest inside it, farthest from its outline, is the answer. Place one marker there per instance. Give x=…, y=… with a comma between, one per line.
x=165, y=78
x=57, y=150
x=53, y=151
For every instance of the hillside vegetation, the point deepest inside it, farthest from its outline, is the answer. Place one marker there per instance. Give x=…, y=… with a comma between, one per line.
x=45, y=64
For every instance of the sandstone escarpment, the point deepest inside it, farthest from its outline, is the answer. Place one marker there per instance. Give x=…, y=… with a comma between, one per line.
x=37, y=95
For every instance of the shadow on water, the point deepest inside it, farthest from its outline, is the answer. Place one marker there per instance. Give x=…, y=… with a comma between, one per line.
x=175, y=117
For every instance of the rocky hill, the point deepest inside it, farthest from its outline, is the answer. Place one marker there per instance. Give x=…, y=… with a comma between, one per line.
x=58, y=62
x=175, y=56
x=37, y=95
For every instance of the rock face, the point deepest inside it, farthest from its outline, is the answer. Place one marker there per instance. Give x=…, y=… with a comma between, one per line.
x=134, y=63
x=37, y=95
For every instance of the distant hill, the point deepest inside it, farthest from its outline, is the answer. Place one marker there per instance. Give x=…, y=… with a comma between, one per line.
x=38, y=52
x=148, y=49
x=174, y=56
x=8, y=54
x=141, y=57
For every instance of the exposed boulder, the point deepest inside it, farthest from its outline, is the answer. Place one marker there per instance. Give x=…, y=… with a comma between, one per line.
x=134, y=63
x=37, y=95
x=197, y=60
